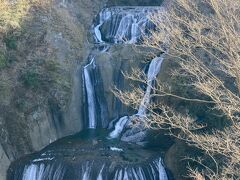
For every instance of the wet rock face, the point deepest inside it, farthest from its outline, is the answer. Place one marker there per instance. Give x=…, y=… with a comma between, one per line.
x=111, y=65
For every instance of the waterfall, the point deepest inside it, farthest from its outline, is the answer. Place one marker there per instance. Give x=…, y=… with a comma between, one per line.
x=118, y=127
x=123, y=29
x=135, y=32
x=123, y=24
x=116, y=25
x=97, y=111
x=153, y=71
x=127, y=25
x=90, y=96
x=40, y=171
x=138, y=173
x=86, y=169
x=100, y=176
x=98, y=33
x=103, y=16
x=33, y=172
x=90, y=170
x=138, y=135
x=161, y=169
x=86, y=157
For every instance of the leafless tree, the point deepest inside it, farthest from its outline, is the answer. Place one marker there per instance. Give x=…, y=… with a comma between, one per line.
x=203, y=36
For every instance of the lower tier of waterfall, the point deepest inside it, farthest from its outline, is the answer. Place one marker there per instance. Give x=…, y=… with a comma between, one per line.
x=90, y=156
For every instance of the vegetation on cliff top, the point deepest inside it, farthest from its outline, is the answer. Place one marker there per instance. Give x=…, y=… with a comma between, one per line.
x=12, y=13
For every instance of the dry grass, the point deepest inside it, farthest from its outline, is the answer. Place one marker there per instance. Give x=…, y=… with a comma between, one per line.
x=12, y=13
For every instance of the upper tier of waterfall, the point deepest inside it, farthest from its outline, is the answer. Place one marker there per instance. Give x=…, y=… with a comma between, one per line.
x=123, y=24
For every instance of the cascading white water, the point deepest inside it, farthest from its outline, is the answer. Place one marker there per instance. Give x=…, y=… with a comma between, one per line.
x=119, y=127
x=90, y=96
x=98, y=33
x=86, y=171
x=123, y=28
x=42, y=171
x=123, y=24
x=135, y=32
x=153, y=71
x=33, y=172
x=96, y=106
x=161, y=169
x=155, y=171
x=152, y=171
x=127, y=25
x=103, y=16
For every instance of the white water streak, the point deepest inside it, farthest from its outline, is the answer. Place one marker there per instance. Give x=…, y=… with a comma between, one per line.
x=90, y=97
x=161, y=169
x=100, y=177
x=86, y=169
x=116, y=149
x=119, y=127
x=153, y=71
x=128, y=26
